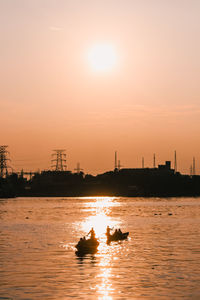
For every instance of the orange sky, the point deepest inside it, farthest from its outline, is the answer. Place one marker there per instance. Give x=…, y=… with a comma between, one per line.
x=51, y=98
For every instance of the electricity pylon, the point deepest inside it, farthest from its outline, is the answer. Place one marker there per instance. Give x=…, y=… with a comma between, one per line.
x=60, y=161
x=3, y=161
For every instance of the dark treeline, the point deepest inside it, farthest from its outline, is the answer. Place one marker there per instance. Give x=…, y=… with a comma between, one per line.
x=125, y=182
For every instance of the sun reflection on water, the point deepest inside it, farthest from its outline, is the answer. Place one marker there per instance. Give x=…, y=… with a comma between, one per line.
x=105, y=287
x=100, y=216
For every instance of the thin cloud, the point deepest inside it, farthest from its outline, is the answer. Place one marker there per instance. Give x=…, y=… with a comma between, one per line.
x=55, y=28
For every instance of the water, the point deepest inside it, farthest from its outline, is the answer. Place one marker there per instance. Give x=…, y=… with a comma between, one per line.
x=160, y=260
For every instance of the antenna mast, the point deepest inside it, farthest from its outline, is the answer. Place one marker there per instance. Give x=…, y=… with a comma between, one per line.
x=142, y=162
x=119, y=165
x=191, y=172
x=175, y=162
x=193, y=168
x=154, y=160
x=115, y=160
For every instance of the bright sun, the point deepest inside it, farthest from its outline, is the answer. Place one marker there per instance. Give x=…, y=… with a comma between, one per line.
x=102, y=57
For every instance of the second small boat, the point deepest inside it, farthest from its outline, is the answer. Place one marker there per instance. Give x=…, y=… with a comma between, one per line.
x=116, y=236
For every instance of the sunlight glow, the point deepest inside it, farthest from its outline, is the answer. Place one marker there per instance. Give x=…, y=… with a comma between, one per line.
x=102, y=57
x=105, y=287
x=99, y=222
x=99, y=214
x=100, y=218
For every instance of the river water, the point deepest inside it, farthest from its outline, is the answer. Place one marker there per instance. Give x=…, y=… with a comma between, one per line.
x=160, y=260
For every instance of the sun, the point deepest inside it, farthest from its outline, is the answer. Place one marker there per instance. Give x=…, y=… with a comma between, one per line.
x=102, y=57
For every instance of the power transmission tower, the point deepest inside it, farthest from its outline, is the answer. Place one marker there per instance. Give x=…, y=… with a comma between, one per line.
x=59, y=162
x=3, y=161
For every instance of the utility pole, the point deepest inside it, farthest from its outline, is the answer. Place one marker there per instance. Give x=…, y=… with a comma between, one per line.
x=3, y=161
x=119, y=165
x=154, y=160
x=193, y=167
x=143, y=163
x=175, y=162
x=115, y=161
x=191, y=171
x=78, y=168
x=59, y=161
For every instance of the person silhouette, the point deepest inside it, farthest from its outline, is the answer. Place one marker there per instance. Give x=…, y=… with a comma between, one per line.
x=92, y=233
x=108, y=229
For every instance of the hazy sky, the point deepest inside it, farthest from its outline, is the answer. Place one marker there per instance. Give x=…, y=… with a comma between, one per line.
x=52, y=98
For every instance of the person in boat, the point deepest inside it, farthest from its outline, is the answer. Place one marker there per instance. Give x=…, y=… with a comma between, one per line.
x=108, y=229
x=119, y=232
x=116, y=233
x=92, y=234
x=80, y=242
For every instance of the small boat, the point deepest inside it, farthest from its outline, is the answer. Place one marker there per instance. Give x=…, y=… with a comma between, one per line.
x=117, y=236
x=87, y=246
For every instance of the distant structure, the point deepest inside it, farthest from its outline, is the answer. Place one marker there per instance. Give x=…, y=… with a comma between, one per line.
x=142, y=162
x=154, y=161
x=116, y=166
x=3, y=161
x=59, y=162
x=191, y=172
x=119, y=165
x=175, y=162
x=164, y=169
x=78, y=168
x=193, y=167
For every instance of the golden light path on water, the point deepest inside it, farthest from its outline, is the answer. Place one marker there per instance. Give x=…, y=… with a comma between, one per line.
x=100, y=217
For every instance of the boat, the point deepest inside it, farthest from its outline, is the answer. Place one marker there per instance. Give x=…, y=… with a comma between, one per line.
x=117, y=236
x=88, y=246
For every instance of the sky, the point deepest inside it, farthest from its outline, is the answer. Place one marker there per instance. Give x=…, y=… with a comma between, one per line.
x=52, y=97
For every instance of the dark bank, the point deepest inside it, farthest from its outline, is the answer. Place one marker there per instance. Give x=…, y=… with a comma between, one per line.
x=162, y=181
